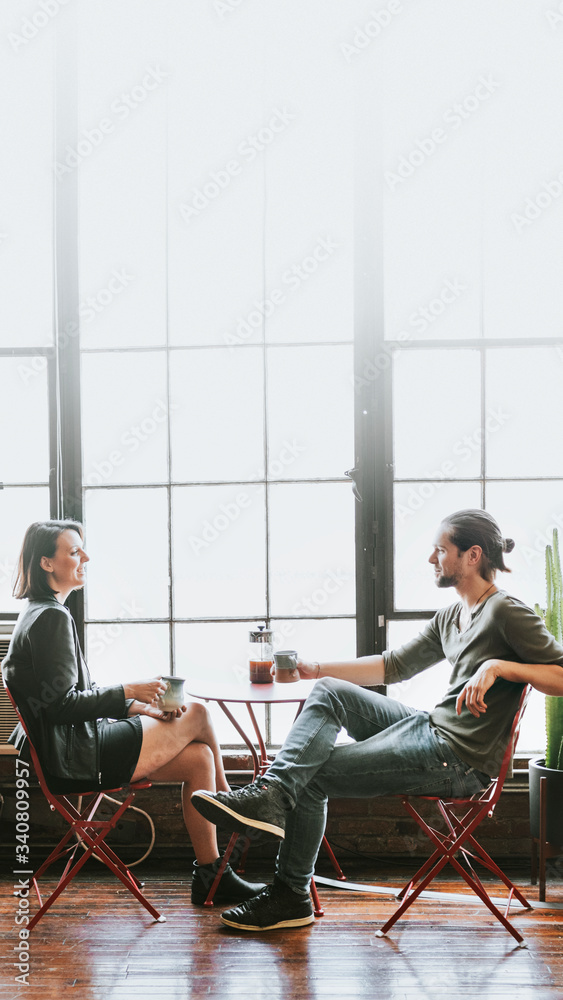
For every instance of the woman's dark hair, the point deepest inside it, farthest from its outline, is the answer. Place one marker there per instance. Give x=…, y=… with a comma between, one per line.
x=40, y=540
x=477, y=527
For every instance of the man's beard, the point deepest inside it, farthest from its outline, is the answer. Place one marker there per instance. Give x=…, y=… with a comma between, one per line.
x=447, y=581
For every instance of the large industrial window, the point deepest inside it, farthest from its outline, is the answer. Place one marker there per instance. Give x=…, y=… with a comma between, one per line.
x=272, y=253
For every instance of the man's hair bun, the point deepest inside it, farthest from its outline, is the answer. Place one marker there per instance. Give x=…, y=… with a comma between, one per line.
x=507, y=544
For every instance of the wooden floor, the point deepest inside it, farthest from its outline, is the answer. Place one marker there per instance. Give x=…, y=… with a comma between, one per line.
x=97, y=943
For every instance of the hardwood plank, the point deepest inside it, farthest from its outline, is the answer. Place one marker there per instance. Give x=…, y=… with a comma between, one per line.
x=97, y=942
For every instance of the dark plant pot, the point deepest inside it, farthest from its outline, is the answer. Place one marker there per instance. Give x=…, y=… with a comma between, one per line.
x=554, y=825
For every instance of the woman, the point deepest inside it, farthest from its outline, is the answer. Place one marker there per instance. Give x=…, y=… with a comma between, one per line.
x=68, y=716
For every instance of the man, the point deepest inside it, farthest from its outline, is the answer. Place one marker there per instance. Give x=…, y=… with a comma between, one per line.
x=495, y=645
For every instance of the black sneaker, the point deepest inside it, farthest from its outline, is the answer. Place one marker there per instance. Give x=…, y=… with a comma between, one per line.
x=277, y=906
x=230, y=888
x=259, y=805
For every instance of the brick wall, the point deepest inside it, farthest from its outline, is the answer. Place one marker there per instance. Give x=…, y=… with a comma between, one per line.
x=377, y=826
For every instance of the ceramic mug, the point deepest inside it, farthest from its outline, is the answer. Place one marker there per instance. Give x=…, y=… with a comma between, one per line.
x=173, y=697
x=286, y=666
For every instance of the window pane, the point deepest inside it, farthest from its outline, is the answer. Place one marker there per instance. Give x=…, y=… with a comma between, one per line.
x=419, y=509
x=309, y=175
x=313, y=640
x=124, y=418
x=424, y=690
x=312, y=549
x=310, y=412
x=431, y=179
x=437, y=414
x=216, y=176
x=219, y=551
x=122, y=190
x=205, y=650
x=127, y=541
x=526, y=512
x=526, y=412
x=27, y=182
x=217, y=414
x=118, y=653
x=523, y=251
x=24, y=419
x=18, y=509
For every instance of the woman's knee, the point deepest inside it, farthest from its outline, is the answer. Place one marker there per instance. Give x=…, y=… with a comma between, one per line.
x=197, y=715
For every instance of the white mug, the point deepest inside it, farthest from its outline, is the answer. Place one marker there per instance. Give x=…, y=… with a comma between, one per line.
x=173, y=697
x=286, y=666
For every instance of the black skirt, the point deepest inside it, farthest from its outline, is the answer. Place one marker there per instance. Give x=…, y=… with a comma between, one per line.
x=120, y=747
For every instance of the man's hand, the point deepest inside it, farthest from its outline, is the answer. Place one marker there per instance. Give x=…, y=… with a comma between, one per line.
x=474, y=692
x=307, y=671
x=146, y=691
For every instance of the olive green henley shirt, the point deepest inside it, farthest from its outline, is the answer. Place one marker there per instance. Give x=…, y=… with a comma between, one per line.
x=501, y=627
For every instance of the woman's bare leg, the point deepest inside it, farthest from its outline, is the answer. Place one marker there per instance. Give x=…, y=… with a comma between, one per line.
x=194, y=764
x=186, y=750
x=162, y=741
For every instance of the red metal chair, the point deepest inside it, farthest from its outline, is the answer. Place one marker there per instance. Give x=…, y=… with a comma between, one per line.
x=89, y=834
x=459, y=838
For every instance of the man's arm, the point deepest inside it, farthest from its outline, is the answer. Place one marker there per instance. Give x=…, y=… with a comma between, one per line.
x=544, y=677
x=365, y=670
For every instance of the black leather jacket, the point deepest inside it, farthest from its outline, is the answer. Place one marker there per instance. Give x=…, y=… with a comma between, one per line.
x=47, y=676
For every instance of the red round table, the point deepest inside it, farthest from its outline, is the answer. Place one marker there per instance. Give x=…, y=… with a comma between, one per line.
x=222, y=686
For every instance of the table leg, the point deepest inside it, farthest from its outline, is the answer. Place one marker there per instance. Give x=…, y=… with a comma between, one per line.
x=241, y=732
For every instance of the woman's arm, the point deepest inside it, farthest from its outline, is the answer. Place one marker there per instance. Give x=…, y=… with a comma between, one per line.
x=61, y=687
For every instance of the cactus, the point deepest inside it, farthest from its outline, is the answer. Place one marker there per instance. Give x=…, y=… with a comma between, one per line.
x=553, y=618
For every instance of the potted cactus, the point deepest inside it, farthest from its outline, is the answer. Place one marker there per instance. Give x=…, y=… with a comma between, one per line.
x=551, y=766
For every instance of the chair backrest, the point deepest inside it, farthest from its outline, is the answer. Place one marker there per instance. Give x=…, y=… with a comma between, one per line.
x=510, y=746
x=34, y=758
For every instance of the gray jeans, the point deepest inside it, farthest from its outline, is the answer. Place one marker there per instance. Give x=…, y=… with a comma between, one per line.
x=396, y=751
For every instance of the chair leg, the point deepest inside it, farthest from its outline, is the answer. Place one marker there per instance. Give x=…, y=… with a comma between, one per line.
x=319, y=912
x=332, y=858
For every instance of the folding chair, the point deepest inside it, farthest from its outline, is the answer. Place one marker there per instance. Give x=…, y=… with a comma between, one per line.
x=459, y=838
x=89, y=834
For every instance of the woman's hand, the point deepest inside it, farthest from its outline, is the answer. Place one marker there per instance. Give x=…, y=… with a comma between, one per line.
x=146, y=691
x=153, y=712
x=474, y=692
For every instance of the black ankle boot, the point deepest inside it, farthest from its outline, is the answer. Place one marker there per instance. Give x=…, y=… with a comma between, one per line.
x=231, y=887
